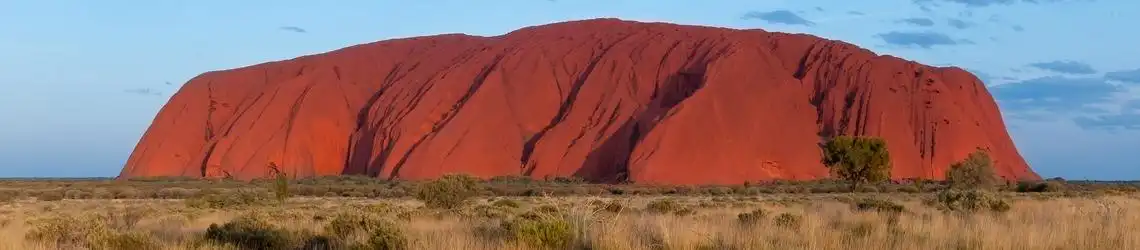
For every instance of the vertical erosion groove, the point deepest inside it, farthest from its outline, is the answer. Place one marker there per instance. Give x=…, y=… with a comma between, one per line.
x=455, y=108
x=564, y=107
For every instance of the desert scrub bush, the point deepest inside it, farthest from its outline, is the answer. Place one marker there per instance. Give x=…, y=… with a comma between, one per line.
x=753, y=217
x=684, y=212
x=386, y=240
x=238, y=198
x=380, y=233
x=75, y=194
x=613, y=206
x=544, y=231
x=663, y=206
x=174, y=193
x=8, y=195
x=447, y=192
x=974, y=172
x=50, y=195
x=490, y=212
x=91, y=232
x=248, y=232
x=1040, y=187
x=787, y=220
x=506, y=203
x=877, y=205
x=125, y=193
x=124, y=219
x=970, y=201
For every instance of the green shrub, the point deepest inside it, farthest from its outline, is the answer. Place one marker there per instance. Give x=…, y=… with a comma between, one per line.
x=663, y=206
x=381, y=234
x=345, y=224
x=542, y=231
x=970, y=201
x=491, y=212
x=448, y=192
x=129, y=240
x=389, y=238
x=882, y=206
x=235, y=199
x=858, y=160
x=1040, y=187
x=786, y=220
x=974, y=172
x=749, y=218
x=249, y=233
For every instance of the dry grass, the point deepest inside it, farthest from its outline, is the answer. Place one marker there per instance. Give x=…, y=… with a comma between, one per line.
x=809, y=222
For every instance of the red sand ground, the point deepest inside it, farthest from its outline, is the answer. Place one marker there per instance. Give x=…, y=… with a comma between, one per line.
x=603, y=99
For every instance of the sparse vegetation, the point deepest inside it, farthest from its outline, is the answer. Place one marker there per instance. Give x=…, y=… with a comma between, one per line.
x=228, y=214
x=858, y=160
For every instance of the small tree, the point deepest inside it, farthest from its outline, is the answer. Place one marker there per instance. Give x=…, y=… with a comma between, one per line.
x=974, y=172
x=858, y=160
x=280, y=184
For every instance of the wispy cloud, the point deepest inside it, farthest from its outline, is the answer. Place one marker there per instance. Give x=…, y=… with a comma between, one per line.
x=1128, y=76
x=294, y=29
x=1018, y=28
x=779, y=16
x=1133, y=106
x=855, y=13
x=984, y=3
x=1055, y=94
x=918, y=21
x=1067, y=67
x=1128, y=121
x=959, y=23
x=143, y=91
x=924, y=39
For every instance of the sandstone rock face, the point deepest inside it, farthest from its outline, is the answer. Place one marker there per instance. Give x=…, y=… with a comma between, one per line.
x=603, y=99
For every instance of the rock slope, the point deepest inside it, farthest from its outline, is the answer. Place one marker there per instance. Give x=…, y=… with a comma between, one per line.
x=603, y=99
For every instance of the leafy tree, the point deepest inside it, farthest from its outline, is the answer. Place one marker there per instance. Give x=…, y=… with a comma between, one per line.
x=974, y=172
x=858, y=160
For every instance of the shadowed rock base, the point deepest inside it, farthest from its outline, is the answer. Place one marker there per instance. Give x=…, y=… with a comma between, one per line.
x=604, y=99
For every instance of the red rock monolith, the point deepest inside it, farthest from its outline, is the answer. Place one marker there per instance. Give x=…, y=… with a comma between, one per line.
x=603, y=99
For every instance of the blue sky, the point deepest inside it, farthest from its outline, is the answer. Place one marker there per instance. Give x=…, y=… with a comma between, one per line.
x=81, y=80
